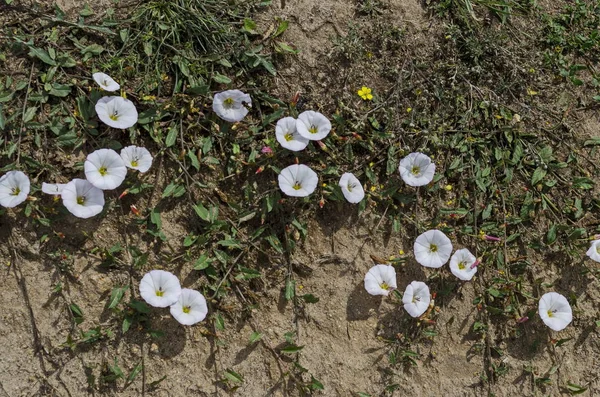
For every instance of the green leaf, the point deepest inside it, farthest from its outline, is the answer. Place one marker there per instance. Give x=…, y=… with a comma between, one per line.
x=231, y=243
x=291, y=349
x=116, y=296
x=255, y=337
x=42, y=55
x=139, y=306
x=249, y=26
x=203, y=262
x=310, y=298
x=538, y=175
x=219, y=323
x=60, y=90
x=575, y=389
x=282, y=27
x=134, y=372
x=86, y=11
x=233, y=376
x=290, y=289
x=127, y=320
x=219, y=78
x=171, y=137
x=202, y=212
x=315, y=384
x=94, y=49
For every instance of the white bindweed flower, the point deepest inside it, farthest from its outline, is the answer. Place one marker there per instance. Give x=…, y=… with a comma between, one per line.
x=416, y=169
x=380, y=280
x=351, y=188
x=416, y=298
x=461, y=264
x=54, y=189
x=432, y=249
x=288, y=136
x=14, y=188
x=82, y=199
x=229, y=105
x=160, y=288
x=298, y=180
x=137, y=158
x=117, y=112
x=105, y=82
x=313, y=125
x=555, y=311
x=190, y=308
x=105, y=169
x=594, y=251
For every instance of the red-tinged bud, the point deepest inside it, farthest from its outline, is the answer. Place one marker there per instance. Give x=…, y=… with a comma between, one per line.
x=522, y=320
x=297, y=161
x=125, y=193
x=260, y=169
x=476, y=263
x=266, y=150
x=321, y=203
x=281, y=201
x=491, y=238
x=134, y=210
x=295, y=98
x=322, y=146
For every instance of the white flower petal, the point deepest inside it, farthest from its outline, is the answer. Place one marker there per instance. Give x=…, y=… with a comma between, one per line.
x=313, y=125
x=351, y=188
x=190, y=308
x=461, y=264
x=416, y=298
x=432, y=249
x=380, y=280
x=416, y=169
x=82, y=199
x=594, y=251
x=555, y=311
x=106, y=82
x=116, y=112
x=160, y=288
x=229, y=105
x=137, y=158
x=105, y=169
x=288, y=136
x=298, y=180
x=14, y=188
x=54, y=189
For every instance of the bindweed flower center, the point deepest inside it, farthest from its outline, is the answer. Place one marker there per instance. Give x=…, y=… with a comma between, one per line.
x=351, y=186
x=415, y=170
x=313, y=129
x=598, y=248
x=80, y=200
x=103, y=171
x=186, y=309
x=288, y=137
x=134, y=162
x=461, y=265
x=160, y=292
x=228, y=103
x=15, y=191
x=416, y=299
x=433, y=248
x=384, y=286
x=115, y=115
x=297, y=186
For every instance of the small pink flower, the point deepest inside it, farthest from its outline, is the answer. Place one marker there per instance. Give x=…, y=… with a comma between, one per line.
x=266, y=150
x=475, y=264
x=522, y=320
x=491, y=238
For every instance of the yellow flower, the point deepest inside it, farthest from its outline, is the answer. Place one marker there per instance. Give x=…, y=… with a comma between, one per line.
x=365, y=93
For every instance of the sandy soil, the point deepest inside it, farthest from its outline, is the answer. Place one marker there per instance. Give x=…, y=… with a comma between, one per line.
x=344, y=334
